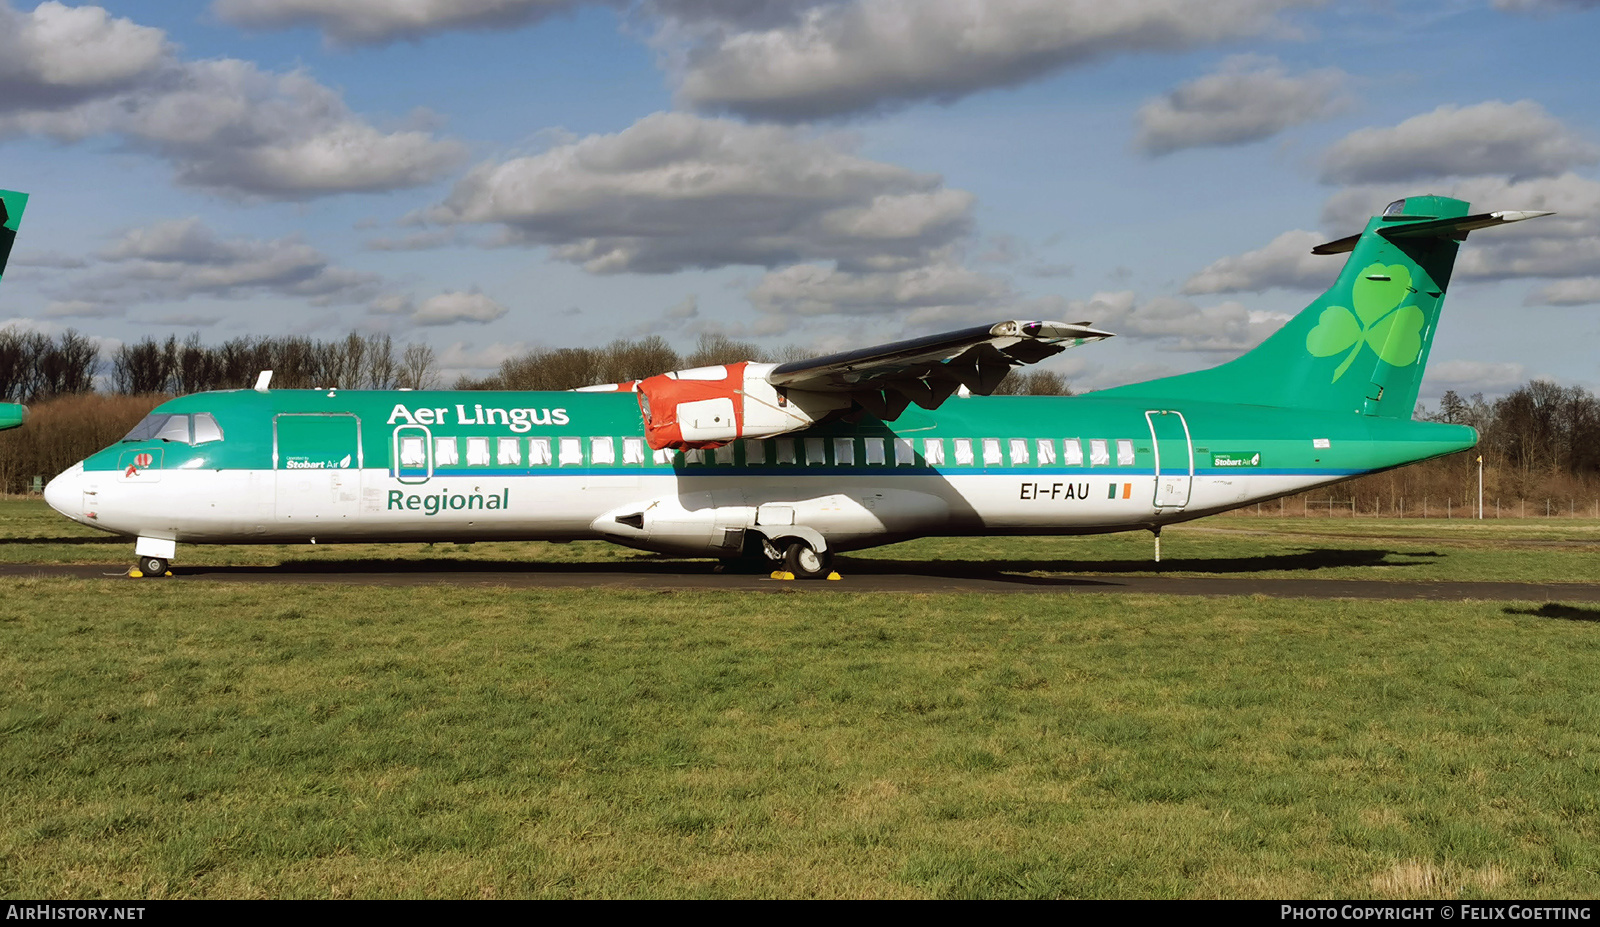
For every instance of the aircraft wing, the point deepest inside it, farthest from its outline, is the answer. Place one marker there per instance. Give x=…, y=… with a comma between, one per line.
x=711, y=406
x=921, y=368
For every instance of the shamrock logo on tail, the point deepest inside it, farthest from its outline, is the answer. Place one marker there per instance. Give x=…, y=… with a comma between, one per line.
x=1393, y=331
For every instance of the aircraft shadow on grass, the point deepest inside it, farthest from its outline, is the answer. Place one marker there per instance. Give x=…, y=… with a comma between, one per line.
x=1558, y=611
x=1011, y=571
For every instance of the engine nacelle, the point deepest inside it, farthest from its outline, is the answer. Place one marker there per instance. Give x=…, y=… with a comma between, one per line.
x=711, y=406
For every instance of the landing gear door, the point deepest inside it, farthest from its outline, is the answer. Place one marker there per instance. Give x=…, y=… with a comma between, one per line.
x=1174, y=450
x=317, y=462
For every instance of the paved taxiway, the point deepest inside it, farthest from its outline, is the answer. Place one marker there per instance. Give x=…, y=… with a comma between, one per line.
x=861, y=576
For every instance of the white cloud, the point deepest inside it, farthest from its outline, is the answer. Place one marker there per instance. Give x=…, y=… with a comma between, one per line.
x=1544, y=6
x=676, y=191
x=450, y=308
x=1248, y=99
x=1468, y=377
x=360, y=22
x=227, y=126
x=1582, y=291
x=1518, y=139
x=1286, y=261
x=181, y=258
x=865, y=55
x=941, y=291
x=1171, y=324
x=58, y=55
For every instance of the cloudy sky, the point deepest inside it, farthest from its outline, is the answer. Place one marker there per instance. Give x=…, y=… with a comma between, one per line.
x=491, y=175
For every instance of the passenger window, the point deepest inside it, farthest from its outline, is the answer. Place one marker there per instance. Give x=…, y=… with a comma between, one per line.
x=538, y=452
x=964, y=452
x=206, y=429
x=1047, y=452
x=904, y=454
x=633, y=450
x=444, y=452
x=933, y=451
x=844, y=452
x=1019, y=452
x=1099, y=453
x=874, y=448
x=571, y=452
x=991, y=452
x=413, y=452
x=694, y=458
x=755, y=451
x=1072, y=452
x=815, y=452
x=664, y=456
x=602, y=450
x=508, y=452
x=783, y=451
x=477, y=452
x=1124, y=453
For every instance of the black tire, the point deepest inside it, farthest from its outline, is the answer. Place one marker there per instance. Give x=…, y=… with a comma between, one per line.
x=153, y=566
x=805, y=563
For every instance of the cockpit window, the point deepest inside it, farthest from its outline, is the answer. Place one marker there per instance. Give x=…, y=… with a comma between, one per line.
x=176, y=428
x=206, y=429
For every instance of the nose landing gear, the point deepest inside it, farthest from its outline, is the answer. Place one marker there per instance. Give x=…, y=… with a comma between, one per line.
x=151, y=566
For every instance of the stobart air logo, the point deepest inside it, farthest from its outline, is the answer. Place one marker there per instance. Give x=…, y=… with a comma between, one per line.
x=1393, y=331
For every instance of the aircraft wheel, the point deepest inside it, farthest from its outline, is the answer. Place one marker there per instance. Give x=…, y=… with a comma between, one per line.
x=153, y=566
x=806, y=563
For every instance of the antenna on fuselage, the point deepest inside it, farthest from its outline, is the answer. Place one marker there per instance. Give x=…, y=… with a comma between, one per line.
x=262, y=380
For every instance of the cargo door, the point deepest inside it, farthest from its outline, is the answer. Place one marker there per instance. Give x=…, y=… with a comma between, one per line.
x=316, y=459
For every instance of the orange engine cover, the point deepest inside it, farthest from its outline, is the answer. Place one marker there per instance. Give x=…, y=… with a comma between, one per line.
x=693, y=409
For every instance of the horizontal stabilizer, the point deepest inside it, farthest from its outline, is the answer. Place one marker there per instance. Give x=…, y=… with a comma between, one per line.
x=1456, y=228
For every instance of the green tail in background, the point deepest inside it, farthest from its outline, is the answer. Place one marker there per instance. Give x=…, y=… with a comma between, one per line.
x=12, y=204
x=1361, y=347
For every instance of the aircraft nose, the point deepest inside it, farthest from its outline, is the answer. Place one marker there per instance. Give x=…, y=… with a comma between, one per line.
x=65, y=492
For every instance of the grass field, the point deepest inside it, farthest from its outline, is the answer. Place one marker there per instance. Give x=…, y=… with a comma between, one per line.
x=235, y=740
x=1532, y=550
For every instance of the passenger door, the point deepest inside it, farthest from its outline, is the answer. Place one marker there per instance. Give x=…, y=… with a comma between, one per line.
x=1169, y=433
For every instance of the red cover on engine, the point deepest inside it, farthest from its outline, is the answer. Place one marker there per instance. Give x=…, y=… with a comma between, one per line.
x=660, y=396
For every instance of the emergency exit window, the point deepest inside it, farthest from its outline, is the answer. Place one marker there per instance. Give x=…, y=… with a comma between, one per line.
x=413, y=452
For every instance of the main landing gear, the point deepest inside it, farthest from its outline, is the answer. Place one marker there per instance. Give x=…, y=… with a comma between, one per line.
x=805, y=562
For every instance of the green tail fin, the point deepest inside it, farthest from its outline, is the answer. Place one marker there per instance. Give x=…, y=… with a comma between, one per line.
x=1360, y=347
x=11, y=205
